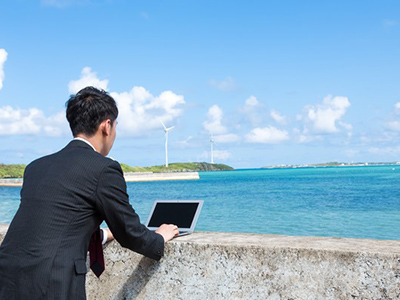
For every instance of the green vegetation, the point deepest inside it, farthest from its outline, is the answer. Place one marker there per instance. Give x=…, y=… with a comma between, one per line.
x=17, y=171
x=126, y=168
x=178, y=167
x=12, y=171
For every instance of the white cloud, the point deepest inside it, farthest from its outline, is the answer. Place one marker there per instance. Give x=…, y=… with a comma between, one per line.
x=214, y=123
x=88, y=78
x=31, y=121
x=325, y=117
x=397, y=107
x=385, y=150
x=218, y=155
x=267, y=135
x=188, y=142
x=278, y=118
x=383, y=137
x=394, y=125
x=301, y=138
x=140, y=111
x=251, y=101
x=15, y=121
x=56, y=125
x=221, y=154
x=3, y=58
x=351, y=153
x=214, y=126
x=346, y=126
x=226, y=138
x=227, y=84
x=253, y=111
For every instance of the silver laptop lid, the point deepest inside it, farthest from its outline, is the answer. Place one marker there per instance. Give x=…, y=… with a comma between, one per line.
x=183, y=213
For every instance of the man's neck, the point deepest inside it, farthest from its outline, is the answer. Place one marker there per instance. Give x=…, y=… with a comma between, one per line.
x=103, y=139
x=78, y=138
x=95, y=141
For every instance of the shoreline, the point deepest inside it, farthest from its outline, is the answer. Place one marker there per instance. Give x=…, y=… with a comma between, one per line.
x=11, y=182
x=339, y=165
x=129, y=177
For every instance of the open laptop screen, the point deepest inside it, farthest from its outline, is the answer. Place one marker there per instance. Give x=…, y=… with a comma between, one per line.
x=181, y=214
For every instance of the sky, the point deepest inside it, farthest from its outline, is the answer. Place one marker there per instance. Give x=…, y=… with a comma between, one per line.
x=270, y=82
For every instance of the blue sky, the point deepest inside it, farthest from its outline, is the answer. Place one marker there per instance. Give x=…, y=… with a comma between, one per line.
x=273, y=82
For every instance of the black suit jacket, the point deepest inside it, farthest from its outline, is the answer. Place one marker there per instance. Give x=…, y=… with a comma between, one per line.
x=64, y=198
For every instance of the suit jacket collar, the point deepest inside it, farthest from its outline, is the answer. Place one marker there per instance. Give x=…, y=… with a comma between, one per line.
x=79, y=144
x=85, y=141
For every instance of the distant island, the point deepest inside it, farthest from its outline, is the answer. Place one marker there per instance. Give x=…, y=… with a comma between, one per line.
x=333, y=164
x=17, y=171
x=11, y=171
x=178, y=167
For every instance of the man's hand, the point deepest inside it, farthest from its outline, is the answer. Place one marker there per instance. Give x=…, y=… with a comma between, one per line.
x=168, y=231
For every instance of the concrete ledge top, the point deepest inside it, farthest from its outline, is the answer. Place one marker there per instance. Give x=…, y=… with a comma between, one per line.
x=3, y=229
x=292, y=242
x=270, y=241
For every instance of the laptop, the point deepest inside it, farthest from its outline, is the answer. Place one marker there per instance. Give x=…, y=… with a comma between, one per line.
x=182, y=213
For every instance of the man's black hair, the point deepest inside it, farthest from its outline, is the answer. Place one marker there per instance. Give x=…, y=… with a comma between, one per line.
x=88, y=108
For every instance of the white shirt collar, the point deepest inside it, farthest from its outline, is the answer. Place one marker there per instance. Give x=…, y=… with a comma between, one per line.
x=87, y=142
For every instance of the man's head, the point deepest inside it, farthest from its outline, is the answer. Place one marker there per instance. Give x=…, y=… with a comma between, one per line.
x=87, y=109
x=92, y=114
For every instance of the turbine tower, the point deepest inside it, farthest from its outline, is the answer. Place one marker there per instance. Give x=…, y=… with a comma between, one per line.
x=166, y=142
x=212, y=152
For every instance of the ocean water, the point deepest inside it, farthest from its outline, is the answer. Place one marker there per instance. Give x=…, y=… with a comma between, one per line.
x=356, y=202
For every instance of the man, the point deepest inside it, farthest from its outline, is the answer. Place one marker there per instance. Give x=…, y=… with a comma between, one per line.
x=64, y=198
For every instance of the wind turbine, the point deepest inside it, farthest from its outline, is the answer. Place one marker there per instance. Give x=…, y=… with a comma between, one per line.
x=212, y=152
x=166, y=142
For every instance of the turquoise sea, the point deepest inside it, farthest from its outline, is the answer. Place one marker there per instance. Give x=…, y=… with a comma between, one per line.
x=357, y=202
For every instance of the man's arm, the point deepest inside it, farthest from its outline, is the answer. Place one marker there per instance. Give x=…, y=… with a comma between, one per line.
x=124, y=223
x=168, y=232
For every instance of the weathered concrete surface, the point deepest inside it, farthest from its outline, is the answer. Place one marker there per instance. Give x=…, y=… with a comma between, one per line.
x=130, y=176
x=3, y=230
x=17, y=182
x=252, y=266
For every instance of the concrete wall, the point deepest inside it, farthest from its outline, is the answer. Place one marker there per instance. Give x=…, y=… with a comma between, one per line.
x=129, y=176
x=250, y=266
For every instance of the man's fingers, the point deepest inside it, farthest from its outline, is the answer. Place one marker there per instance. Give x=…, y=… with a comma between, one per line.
x=168, y=231
x=175, y=228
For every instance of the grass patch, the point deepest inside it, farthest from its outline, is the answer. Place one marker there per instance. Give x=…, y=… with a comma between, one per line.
x=12, y=171
x=17, y=171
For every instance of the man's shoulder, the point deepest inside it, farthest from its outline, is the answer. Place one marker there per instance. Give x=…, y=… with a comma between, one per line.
x=85, y=154
x=75, y=153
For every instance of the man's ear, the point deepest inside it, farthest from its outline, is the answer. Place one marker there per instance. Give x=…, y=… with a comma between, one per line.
x=105, y=127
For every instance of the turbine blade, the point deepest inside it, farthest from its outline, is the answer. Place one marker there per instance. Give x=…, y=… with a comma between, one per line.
x=165, y=128
x=168, y=129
